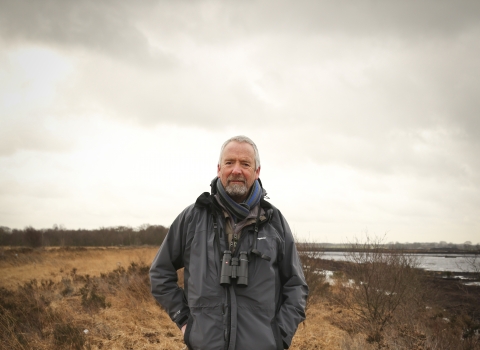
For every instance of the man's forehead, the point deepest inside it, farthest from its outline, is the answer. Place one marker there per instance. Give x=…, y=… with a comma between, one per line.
x=243, y=148
x=237, y=156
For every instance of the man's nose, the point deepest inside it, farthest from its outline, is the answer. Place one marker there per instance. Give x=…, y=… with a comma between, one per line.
x=237, y=169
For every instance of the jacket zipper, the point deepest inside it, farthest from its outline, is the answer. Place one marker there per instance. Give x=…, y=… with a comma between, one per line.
x=229, y=315
x=227, y=292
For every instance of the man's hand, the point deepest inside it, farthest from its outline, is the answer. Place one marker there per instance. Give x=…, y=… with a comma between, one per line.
x=183, y=329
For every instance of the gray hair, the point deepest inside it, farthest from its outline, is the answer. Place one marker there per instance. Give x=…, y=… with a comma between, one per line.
x=241, y=139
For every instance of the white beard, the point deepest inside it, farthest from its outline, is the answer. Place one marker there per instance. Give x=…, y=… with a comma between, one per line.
x=236, y=190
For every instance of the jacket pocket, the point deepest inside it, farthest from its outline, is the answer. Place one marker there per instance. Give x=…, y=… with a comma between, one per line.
x=270, y=243
x=277, y=335
x=186, y=336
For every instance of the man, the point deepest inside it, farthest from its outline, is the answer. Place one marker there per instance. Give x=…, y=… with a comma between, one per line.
x=244, y=286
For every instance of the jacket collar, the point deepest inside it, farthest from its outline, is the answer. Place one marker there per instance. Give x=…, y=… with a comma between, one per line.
x=207, y=200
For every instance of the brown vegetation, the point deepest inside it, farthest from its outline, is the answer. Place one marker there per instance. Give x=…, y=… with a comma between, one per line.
x=378, y=285
x=100, y=299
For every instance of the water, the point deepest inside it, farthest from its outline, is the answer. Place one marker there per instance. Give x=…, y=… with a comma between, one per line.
x=430, y=262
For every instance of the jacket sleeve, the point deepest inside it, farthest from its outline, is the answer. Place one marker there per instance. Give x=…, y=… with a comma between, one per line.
x=163, y=272
x=294, y=289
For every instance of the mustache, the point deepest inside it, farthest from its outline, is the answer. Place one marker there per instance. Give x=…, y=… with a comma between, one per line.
x=236, y=178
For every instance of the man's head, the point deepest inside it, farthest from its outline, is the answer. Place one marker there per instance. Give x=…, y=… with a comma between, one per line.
x=238, y=166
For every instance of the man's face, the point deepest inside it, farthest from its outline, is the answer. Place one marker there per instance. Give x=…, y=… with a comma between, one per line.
x=237, y=169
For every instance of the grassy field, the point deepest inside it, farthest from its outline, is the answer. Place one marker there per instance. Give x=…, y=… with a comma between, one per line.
x=20, y=266
x=99, y=298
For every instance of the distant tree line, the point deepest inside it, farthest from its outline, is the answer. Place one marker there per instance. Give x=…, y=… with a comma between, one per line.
x=104, y=236
x=441, y=246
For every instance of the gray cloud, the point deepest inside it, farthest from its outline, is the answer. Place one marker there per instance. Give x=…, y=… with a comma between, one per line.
x=120, y=27
x=410, y=18
x=428, y=80
x=385, y=89
x=108, y=27
x=217, y=22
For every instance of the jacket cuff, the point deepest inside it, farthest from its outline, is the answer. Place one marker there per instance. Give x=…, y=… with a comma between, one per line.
x=181, y=321
x=181, y=317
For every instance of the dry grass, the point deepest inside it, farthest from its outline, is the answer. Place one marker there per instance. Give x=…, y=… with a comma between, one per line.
x=317, y=332
x=100, y=299
x=20, y=265
x=81, y=299
x=129, y=318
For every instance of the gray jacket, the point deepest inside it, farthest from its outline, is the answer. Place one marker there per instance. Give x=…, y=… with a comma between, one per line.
x=263, y=315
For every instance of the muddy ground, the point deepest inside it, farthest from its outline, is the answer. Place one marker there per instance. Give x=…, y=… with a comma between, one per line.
x=449, y=291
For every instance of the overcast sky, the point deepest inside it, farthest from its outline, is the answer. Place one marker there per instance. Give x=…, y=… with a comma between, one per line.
x=366, y=113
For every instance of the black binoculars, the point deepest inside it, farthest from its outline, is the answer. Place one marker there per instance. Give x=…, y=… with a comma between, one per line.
x=236, y=268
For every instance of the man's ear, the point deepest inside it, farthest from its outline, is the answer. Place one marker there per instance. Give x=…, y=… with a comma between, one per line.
x=257, y=173
x=218, y=170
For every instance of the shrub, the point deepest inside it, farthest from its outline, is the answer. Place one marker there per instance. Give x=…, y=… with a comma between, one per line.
x=310, y=257
x=380, y=283
x=67, y=334
x=67, y=289
x=24, y=314
x=91, y=298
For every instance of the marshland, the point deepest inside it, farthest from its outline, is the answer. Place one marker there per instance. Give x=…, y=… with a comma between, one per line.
x=99, y=298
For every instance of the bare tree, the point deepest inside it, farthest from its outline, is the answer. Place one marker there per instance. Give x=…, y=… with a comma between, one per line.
x=33, y=238
x=470, y=262
x=473, y=262
x=380, y=282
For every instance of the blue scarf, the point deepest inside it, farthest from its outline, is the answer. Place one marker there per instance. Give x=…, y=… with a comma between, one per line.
x=240, y=210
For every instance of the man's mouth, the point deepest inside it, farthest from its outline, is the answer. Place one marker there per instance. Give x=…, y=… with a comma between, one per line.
x=242, y=181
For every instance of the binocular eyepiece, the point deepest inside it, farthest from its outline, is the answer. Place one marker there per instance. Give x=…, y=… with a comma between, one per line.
x=236, y=268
